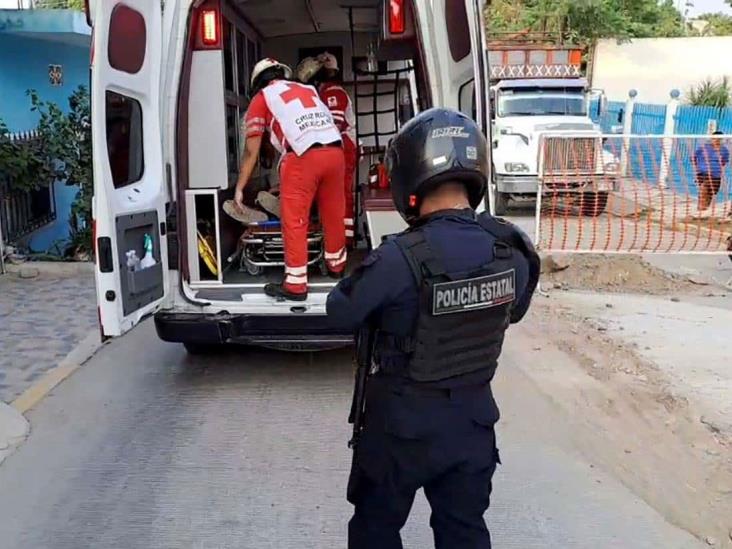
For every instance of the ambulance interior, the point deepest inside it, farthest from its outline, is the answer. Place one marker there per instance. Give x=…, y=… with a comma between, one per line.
x=381, y=71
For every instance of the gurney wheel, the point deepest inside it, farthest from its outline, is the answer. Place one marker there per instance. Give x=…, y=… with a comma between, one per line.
x=254, y=270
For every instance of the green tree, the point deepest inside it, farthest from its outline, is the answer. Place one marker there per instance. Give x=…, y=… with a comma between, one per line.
x=66, y=139
x=585, y=21
x=60, y=4
x=718, y=24
x=711, y=93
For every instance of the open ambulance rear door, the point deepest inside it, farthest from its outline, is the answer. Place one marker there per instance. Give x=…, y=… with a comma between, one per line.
x=451, y=39
x=129, y=186
x=459, y=49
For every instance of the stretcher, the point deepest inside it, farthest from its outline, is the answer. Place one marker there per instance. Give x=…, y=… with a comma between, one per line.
x=261, y=245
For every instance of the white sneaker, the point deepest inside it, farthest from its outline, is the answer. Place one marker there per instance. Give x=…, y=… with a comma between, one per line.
x=269, y=202
x=246, y=215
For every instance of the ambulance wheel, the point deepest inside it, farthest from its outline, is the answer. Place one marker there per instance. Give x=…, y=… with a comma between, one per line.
x=500, y=202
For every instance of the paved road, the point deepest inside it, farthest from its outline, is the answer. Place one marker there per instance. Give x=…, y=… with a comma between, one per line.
x=145, y=447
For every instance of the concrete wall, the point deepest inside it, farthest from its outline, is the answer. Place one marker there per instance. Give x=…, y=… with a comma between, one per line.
x=655, y=66
x=23, y=65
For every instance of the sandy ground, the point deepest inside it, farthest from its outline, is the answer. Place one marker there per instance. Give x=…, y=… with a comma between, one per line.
x=654, y=392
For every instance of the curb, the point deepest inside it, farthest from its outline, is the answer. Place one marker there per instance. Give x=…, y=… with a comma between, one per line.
x=13, y=430
x=75, y=359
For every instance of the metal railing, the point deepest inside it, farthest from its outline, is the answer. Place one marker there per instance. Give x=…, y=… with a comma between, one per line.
x=22, y=212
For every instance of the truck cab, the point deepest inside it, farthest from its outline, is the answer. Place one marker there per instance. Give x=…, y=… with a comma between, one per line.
x=170, y=88
x=531, y=112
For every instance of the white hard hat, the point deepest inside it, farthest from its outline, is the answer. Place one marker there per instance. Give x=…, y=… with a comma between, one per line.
x=307, y=68
x=268, y=63
x=328, y=60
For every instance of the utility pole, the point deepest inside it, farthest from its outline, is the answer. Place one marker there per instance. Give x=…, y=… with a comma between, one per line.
x=686, y=6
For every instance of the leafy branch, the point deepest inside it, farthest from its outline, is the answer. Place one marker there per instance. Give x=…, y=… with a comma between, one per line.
x=61, y=151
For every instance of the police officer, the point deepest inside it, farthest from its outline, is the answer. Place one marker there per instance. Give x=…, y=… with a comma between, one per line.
x=441, y=296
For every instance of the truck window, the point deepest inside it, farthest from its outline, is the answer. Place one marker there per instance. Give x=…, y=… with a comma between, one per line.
x=458, y=29
x=539, y=103
x=124, y=139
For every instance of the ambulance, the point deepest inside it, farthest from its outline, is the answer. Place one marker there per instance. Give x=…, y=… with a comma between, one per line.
x=170, y=85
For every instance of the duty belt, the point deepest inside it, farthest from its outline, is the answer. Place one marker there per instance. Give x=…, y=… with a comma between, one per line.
x=405, y=345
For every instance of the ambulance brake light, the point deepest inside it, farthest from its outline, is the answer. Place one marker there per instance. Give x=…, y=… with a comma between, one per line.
x=397, y=19
x=209, y=28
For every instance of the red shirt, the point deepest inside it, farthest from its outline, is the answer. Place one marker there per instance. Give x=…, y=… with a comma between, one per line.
x=259, y=119
x=339, y=103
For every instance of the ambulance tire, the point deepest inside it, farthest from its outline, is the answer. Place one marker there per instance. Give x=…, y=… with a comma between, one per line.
x=501, y=203
x=202, y=349
x=593, y=204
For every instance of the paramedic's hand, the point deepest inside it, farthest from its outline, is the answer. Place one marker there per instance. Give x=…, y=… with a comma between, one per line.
x=239, y=199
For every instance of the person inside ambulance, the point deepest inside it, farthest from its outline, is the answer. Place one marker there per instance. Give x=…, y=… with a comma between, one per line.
x=301, y=128
x=323, y=73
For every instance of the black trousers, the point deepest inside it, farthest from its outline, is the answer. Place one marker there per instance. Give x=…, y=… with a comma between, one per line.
x=439, y=440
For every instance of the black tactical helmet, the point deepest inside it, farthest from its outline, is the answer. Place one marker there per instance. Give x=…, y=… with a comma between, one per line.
x=437, y=145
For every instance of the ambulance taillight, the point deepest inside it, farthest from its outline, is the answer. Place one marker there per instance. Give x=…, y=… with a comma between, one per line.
x=208, y=35
x=209, y=27
x=397, y=18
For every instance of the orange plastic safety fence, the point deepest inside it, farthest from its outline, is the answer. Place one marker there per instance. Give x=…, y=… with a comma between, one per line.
x=635, y=194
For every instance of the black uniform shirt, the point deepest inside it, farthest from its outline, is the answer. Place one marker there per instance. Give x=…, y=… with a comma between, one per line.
x=384, y=290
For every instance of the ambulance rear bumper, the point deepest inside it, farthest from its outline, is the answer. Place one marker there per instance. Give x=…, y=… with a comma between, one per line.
x=289, y=332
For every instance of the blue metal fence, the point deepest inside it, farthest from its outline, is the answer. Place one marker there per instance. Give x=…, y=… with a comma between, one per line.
x=645, y=156
x=694, y=120
x=613, y=116
x=648, y=119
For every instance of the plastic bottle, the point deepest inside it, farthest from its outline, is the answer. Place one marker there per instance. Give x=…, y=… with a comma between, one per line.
x=148, y=260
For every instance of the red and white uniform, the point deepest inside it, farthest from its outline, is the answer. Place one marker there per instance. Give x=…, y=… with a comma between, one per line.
x=340, y=105
x=297, y=120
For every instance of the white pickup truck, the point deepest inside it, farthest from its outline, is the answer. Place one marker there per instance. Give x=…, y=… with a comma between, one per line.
x=553, y=114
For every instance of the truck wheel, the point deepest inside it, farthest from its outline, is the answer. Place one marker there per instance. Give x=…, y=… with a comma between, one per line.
x=202, y=349
x=593, y=204
x=500, y=203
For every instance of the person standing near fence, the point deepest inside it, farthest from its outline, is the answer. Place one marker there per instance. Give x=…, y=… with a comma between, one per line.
x=710, y=161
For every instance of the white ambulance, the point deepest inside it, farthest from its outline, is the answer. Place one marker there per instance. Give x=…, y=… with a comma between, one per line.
x=170, y=84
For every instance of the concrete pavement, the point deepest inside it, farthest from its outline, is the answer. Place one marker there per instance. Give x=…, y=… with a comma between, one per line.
x=147, y=447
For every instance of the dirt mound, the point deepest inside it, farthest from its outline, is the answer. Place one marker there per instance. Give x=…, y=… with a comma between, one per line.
x=617, y=273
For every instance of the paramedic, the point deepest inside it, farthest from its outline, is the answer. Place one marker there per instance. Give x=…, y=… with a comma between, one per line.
x=301, y=128
x=323, y=72
x=456, y=280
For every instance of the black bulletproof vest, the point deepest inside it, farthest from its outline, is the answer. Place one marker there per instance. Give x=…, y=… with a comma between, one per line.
x=462, y=317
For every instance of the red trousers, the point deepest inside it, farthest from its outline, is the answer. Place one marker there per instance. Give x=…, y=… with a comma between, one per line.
x=351, y=154
x=316, y=175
